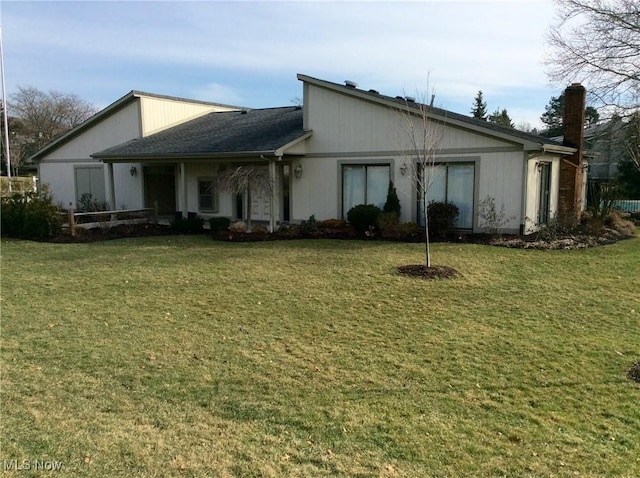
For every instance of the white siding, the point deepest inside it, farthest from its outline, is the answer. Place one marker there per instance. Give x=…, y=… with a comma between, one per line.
x=163, y=113
x=347, y=129
x=115, y=129
x=342, y=123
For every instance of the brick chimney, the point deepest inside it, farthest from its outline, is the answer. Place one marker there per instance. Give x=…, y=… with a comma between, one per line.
x=571, y=172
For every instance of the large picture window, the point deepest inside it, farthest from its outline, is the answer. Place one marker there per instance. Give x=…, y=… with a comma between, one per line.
x=453, y=183
x=364, y=184
x=90, y=184
x=207, y=195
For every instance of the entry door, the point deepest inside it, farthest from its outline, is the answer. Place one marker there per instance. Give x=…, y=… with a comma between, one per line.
x=545, y=193
x=260, y=201
x=160, y=188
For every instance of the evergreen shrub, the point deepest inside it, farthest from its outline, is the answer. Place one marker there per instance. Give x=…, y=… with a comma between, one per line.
x=442, y=217
x=30, y=216
x=363, y=217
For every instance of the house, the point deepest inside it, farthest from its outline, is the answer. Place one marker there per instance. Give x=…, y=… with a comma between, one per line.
x=68, y=169
x=340, y=149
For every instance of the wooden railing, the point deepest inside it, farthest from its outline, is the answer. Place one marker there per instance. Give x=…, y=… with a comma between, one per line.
x=105, y=219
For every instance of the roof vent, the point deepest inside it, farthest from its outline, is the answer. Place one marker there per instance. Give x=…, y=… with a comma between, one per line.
x=243, y=112
x=375, y=92
x=350, y=84
x=410, y=99
x=399, y=97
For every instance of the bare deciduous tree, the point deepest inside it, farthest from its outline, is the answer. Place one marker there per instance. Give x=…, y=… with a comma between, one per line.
x=242, y=179
x=419, y=139
x=46, y=116
x=632, y=140
x=598, y=42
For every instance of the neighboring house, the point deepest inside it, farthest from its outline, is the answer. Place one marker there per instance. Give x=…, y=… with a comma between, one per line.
x=340, y=149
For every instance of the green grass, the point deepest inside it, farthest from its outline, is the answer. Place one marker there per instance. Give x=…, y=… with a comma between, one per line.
x=180, y=356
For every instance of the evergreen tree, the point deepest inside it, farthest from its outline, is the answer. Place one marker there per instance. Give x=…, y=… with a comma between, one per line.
x=553, y=116
x=393, y=202
x=479, y=110
x=501, y=117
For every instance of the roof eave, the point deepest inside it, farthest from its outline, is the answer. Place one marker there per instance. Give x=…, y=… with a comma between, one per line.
x=281, y=151
x=558, y=149
x=183, y=156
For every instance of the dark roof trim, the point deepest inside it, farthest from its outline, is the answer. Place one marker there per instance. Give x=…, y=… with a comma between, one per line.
x=527, y=140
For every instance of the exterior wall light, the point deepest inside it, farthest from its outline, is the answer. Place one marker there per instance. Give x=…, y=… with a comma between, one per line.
x=133, y=171
x=403, y=169
x=297, y=171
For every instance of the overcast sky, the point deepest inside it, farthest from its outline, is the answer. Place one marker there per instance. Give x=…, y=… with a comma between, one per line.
x=248, y=53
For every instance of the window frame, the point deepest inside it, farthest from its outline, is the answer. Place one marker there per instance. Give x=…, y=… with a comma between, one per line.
x=446, y=165
x=215, y=206
x=368, y=164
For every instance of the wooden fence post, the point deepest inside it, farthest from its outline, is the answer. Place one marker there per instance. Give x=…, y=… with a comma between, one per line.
x=72, y=222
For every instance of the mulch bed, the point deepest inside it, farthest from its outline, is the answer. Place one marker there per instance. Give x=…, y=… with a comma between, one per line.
x=108, y=233
x=634, y=372
x=424, y=272
x=572, y=241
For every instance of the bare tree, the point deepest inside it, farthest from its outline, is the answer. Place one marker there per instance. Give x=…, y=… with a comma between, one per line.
x=419, y=139
x=242, y=179
x=632, y=140
x=43, y=117
x=598, y=42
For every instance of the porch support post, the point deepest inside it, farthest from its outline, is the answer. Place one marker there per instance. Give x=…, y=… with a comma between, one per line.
x=183, y=189
x=111, y=193
x=273, y=204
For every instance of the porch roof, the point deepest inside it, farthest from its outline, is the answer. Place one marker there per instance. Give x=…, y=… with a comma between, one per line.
x=250, y=132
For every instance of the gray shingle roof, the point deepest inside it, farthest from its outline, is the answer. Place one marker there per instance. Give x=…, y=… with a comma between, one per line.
x=259, y=131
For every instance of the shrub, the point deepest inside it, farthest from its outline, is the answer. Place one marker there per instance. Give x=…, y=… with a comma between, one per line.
x=332, y=224
x=219, y=224
x=622, y=226
x=363, y=217
x=88, y=203
x=393, y=203
x=389, y=225
x=492, y=219
x=193, y=224
x=30, y=216
x=442, y=217
x=309, y=226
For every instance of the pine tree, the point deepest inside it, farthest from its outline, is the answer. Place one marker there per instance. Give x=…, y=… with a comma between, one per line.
x=479, y=110
x=553, y=116
x=393, y=202
x=501, y=117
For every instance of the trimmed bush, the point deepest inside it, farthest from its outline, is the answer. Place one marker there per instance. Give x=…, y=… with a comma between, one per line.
x=30, y=216
x=193, y=224
x=442, y=217
x=363, y=217
x=393, y=203
x=389, y=225
x=219, y=224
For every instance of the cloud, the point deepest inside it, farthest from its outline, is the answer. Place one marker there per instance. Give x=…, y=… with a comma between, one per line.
x=240, y=50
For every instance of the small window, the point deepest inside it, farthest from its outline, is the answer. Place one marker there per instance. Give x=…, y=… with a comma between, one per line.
x=207, y=195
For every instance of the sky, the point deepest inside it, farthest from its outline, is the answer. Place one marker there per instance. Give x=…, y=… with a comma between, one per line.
x=247, y=53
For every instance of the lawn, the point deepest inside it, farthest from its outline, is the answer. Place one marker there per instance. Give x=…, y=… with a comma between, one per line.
x=180, y=356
